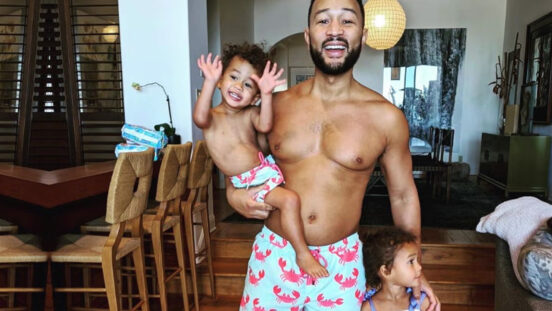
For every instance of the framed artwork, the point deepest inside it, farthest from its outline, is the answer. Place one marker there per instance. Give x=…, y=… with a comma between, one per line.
x=538, y=64
x=527, y=103
x=299, y=74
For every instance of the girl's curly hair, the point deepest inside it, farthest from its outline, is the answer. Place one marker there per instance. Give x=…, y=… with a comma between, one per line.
x=380, y=248
x=252, y=53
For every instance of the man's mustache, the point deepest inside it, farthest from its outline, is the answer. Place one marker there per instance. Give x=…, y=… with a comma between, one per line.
x=333, y=39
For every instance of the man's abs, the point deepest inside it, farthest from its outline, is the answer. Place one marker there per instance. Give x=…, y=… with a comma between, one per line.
x=331, y=200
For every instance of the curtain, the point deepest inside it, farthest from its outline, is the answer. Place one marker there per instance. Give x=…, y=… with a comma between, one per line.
x=444, y=48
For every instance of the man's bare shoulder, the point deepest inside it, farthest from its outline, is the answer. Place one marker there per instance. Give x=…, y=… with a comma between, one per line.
x=376, y=105
x=292, y=94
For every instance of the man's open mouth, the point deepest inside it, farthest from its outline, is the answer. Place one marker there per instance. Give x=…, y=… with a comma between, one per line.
x=335, y=48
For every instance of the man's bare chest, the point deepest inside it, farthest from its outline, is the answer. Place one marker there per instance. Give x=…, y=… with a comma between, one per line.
x=346, y=141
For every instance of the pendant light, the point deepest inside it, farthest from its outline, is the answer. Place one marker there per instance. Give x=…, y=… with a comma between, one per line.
x=385, y=21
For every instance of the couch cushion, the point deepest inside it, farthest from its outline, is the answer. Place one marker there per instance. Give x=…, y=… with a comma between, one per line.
x=535, y=264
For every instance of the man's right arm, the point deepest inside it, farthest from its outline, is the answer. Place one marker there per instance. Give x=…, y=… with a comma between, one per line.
x=241, y=200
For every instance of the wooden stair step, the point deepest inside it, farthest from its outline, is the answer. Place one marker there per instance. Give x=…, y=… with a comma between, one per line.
x=442, y=247
x=231, y=303
x=453, y=284
x=442, y=274
x=458, y=263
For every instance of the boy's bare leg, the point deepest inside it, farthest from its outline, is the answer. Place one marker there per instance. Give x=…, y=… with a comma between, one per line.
x=289, y=204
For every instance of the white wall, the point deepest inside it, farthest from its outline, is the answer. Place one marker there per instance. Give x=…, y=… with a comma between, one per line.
x=198, y=44
x=476, y=108
x=155, y=47
x=520, y=13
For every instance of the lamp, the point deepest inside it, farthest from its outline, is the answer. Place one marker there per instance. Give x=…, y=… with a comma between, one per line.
x=385, y=21
x=110, y=33
x=169, y=130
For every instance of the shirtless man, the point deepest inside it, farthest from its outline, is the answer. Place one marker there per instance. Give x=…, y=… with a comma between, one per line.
x=328, y=134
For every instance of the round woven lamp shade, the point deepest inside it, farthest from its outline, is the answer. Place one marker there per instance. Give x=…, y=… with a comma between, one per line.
x=385, y=21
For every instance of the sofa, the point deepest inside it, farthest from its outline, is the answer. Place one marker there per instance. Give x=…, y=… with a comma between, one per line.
x=509, y=295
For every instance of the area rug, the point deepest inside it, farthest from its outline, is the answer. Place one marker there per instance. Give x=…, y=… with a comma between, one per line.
x=468, y=203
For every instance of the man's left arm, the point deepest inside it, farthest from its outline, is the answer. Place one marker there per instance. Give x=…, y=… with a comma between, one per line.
x=396, y=165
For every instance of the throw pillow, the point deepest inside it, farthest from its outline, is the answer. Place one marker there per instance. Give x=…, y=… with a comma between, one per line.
x=515, y=221
x=535, y=264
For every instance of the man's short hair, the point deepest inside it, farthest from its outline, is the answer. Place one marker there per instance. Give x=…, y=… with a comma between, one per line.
x=359, y=4
x=252, y=53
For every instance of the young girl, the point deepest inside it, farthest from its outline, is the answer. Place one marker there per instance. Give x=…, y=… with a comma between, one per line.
x=230, y=132
x=392, y=269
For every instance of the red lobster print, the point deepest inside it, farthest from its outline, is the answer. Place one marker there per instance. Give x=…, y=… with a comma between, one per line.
x=345, y=255
x=244, y=301
x=347, y=282
x=328, y=303
x=256, y=306
x=289, y=275
x=282, y=244
x=259, y=255
x=359, y=296
x=285, y=298
x=253, y=278
x=247, y=180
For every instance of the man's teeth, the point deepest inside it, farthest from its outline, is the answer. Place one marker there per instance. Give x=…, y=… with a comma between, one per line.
x=335, y=47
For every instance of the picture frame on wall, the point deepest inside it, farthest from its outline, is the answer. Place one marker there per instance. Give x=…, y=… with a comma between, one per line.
x=299, y=74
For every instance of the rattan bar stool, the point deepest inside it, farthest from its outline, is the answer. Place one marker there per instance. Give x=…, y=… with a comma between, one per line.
x=201, y=167
x=16, y=252
x=126, y=201
x=171, y=186
x=7, y=227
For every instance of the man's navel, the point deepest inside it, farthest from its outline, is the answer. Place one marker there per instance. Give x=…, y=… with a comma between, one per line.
x=312, y=218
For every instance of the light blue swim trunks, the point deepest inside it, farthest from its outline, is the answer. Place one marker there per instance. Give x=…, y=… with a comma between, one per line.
x=275, y=282
x=267, y=173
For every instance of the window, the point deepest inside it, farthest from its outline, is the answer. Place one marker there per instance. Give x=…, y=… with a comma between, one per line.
x=420, y=76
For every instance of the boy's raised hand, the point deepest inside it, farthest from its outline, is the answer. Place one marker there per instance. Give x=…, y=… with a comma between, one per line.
x=269, y=80
x=211, y=70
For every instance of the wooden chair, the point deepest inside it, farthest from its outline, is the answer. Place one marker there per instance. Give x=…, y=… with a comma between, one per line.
x=126, y=201
x=201, y=167
x=21, y=251
x=171, y=186
x=446, y=142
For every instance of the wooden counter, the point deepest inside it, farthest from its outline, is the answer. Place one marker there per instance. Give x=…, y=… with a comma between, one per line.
x=53, y=188
x=51, y=203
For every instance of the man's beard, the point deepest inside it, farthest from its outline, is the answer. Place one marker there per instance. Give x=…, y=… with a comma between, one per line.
x=334, y=70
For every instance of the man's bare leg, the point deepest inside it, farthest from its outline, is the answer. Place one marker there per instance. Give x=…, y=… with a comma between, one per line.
x=289, y=204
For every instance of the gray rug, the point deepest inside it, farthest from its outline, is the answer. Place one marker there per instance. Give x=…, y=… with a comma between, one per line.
x=468, y=203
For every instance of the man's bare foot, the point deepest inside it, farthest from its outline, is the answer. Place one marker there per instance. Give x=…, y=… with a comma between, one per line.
x=311, y=266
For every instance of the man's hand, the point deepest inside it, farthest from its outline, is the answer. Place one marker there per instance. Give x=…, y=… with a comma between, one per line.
x=211, y=70
x=241, y=200
x=269, y=80
x=434, y=303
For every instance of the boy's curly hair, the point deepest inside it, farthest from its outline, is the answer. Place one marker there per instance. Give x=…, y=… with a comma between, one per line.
x=380, y=248
x=252, y=53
